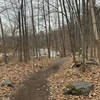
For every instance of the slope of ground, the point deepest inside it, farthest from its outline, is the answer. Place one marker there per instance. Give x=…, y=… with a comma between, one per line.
x=18, y=72
x=66, y=74
x=45, y=80
x=36, y=86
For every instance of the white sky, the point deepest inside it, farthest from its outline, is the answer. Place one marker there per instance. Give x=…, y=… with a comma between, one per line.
x=98, y=3
x=5, y=20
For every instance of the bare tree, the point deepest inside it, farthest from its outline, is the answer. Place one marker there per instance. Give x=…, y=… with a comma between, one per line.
x=3, y=42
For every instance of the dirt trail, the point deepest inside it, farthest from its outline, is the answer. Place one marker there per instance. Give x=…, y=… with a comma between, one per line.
x=35, y=87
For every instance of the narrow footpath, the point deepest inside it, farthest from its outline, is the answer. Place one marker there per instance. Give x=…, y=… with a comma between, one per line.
x=36, y=87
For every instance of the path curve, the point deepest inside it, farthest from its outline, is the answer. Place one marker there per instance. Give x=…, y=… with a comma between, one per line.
x=35, y=87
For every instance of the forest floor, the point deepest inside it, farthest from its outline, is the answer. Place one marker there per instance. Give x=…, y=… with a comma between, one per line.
x=36, y=86
x=19, y=72
x=45, y=79
x=66, y=74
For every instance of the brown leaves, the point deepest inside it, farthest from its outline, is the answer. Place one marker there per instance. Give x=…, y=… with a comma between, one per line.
x=66, y=74
x=17, y=72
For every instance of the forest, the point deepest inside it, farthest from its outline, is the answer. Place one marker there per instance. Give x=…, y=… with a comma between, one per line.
x=49, y=50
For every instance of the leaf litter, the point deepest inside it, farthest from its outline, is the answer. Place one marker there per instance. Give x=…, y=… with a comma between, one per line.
x=67, y=74
x=18, y=72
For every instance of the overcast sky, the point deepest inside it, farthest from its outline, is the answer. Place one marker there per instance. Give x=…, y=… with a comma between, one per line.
x=5, y=20
x=98, y=3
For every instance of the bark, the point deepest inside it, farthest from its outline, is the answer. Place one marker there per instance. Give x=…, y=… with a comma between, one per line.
x=3, y=42
x=95, y=32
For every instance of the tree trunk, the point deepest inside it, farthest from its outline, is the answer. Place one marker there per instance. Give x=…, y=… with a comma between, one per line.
x=3, y=42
